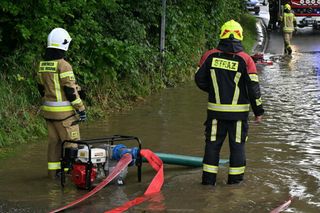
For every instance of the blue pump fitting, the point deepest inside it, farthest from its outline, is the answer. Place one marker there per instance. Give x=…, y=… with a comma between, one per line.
x=117, y=151
x=120, y=149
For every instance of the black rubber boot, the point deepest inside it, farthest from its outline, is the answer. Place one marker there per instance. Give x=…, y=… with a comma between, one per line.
x=208, y=178
x=235, y=179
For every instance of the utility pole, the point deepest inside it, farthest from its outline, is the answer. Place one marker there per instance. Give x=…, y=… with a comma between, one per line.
x=163, y=28
x=163, y=39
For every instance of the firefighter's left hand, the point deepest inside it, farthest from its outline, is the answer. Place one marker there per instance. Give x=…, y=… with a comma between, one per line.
x=258, y=119
x=82, y=115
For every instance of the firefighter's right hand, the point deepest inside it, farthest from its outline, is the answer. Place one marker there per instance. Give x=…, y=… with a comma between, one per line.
x=258, y=119
x=82, y=115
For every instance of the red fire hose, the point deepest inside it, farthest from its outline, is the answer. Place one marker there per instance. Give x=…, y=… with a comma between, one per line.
x=154, y=187
x=123, y=163
x=258, y=58
x=283, y=206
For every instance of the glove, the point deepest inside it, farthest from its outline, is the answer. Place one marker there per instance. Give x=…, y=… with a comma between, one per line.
x=82, y=115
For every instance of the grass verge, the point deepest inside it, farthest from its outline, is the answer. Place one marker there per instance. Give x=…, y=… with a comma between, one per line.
x=20, y=121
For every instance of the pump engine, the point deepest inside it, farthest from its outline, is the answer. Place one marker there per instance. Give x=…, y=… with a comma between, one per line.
x=93, y=161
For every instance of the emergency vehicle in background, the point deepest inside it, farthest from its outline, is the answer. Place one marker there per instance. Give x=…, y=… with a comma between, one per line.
x=307, y=12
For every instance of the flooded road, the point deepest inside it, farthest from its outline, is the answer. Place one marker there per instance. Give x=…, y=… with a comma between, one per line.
x=283, y=153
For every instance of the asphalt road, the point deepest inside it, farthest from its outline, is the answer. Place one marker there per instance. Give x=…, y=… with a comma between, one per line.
x=306, y=40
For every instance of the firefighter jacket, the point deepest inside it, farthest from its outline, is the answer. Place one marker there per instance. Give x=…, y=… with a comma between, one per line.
x=229, y=76
x=59, y=90
x=289, y=22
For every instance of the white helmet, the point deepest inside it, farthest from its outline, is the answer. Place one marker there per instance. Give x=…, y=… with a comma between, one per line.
x=59, y=38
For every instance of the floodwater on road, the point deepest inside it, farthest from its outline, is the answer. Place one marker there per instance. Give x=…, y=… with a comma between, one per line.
x=282, y=152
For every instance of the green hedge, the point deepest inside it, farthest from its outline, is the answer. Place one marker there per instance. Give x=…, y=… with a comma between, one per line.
x=114, y=51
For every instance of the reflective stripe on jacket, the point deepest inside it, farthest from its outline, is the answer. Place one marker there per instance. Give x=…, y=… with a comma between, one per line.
x=232, y=84
x=288, y=22
x=54, y=76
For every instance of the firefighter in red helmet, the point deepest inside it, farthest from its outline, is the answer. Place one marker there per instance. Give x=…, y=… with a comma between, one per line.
x=229, y=76
x=62, y=106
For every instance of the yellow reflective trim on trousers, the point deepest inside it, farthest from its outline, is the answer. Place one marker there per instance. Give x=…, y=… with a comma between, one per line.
x=67, y=74
x=54, y=165
x=236, y=170
x=57, y=108
x=225, y=64
x=210, y=168
x=57, y=87
x=215, y=85
x=258, y=101
x=214, y=126
x=237, y=90
x=77, y=101
x=254, y=77
x=48, y=66
x=238, y=131
x=228, y=107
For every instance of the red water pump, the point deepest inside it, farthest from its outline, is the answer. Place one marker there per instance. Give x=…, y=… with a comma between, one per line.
x=78, y=175
x=94, y=159
x=86, y=165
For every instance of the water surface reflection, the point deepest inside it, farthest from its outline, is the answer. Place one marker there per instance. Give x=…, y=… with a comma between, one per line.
x=282, y=153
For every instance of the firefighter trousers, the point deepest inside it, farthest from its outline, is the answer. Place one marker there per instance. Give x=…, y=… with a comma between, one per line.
x=59, y=131
x=216, y=132
x=287, y=42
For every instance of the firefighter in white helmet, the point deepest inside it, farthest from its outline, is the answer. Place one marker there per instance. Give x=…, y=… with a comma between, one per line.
x=62, y=105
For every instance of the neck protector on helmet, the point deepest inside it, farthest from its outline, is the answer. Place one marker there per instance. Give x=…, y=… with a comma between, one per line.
x=230, y=45
x=53, y=54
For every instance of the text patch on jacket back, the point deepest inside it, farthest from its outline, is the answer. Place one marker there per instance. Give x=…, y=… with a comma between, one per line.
x=48, y=66
x=225, y=64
